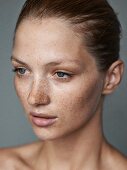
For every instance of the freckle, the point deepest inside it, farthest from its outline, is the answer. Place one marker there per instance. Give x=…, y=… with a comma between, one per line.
x=42, y=93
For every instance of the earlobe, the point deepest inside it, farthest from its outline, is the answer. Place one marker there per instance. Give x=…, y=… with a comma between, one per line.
x=113, y=77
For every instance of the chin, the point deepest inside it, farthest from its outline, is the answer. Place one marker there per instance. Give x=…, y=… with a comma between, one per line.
x=46, y=134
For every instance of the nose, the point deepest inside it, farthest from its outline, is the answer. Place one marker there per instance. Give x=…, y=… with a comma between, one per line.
x=38, y=94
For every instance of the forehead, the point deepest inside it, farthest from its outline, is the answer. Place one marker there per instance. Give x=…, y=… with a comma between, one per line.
x=46, y=32
x=48, y=38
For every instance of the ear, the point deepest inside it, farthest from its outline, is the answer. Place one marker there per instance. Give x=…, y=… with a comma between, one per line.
x=113, y=77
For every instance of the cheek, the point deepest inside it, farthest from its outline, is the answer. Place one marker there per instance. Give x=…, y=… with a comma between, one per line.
x=21, y=90
x=79, y=100
x=77, y=105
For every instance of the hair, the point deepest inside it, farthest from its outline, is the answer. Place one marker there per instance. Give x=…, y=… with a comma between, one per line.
x=94, y=19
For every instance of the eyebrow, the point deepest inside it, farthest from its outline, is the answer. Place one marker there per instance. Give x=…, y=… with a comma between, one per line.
x=18, y=61
x=52, y=63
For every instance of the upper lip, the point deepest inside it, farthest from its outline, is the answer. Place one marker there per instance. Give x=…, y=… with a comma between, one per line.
x=42, y=115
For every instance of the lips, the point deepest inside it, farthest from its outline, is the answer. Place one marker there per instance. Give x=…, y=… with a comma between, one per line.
x=42, y=120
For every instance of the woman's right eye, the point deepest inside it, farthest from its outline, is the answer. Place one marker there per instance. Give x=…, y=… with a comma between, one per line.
x=20, y=70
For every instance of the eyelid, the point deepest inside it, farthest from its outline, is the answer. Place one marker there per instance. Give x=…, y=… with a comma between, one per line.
x=65, y=72
x=68, y=74
x=17, y=68
x=15, y=64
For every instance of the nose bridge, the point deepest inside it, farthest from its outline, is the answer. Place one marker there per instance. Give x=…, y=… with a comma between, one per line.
x=39, y=92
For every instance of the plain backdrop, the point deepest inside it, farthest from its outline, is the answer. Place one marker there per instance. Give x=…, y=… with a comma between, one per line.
x=14, y=128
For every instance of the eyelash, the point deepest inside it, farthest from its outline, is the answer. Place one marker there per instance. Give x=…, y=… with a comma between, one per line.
x=68, y=75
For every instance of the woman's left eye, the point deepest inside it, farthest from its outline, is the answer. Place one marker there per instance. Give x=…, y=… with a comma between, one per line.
x=61, y=74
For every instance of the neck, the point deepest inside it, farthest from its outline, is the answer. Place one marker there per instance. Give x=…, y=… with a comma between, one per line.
x=80, y=150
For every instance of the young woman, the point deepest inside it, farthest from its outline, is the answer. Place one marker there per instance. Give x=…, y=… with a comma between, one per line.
x=66, y=60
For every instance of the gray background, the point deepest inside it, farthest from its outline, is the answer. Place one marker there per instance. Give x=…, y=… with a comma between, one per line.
x=14, y=128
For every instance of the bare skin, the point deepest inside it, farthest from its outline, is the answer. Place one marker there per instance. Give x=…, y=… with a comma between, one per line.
x=28, y=158
x=53, y=77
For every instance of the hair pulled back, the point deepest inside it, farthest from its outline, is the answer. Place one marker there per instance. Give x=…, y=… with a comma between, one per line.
x=94, y=19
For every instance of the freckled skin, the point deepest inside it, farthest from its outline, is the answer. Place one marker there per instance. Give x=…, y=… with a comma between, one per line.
x=42, y=49
x=74, y=102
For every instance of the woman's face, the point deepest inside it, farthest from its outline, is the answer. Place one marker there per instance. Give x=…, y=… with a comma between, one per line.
x=56, y=78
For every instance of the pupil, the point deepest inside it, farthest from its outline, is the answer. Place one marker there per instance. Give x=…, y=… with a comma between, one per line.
x=22, y=70
x=60, y=74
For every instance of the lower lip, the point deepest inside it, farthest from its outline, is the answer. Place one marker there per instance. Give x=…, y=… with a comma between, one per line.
x=43, y=122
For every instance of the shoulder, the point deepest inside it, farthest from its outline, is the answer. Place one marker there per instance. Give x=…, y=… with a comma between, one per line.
x=115, y=159
x=8, y=159
x=11, y=160
x=17, y=158
x=119, y=161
